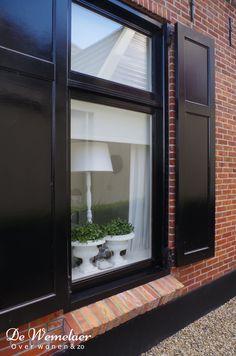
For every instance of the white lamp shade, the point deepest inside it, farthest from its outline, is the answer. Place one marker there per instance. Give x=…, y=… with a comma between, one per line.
x=90, y=156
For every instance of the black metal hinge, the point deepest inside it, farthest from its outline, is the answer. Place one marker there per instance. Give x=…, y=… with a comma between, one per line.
x=230, y=31
x=169, y=257
x=170, y=32
x=192, y=9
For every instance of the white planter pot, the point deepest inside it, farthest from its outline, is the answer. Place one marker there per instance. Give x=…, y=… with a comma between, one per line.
x=117, y=244
x=86, y=251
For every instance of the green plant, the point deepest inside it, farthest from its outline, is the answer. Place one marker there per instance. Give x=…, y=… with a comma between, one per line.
x=102, y=213
x=118, y=227
x=103, y=207
x=87, y=232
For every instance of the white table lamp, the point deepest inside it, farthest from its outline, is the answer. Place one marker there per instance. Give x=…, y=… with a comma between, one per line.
x=90, y=157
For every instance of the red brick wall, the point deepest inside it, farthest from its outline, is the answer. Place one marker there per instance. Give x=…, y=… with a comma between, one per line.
x=211, y=18
x=53, y=324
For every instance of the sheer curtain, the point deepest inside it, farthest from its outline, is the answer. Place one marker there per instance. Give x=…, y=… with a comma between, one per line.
x=139, y=200
x=102, y=123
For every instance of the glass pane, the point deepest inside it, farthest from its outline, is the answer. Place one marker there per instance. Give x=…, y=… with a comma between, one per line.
x=110, y=188
x=106, y=49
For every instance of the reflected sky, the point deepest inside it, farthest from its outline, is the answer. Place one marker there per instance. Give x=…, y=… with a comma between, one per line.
x=83, y=35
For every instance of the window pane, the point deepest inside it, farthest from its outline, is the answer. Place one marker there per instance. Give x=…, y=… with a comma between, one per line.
x=106, y=49
x=111, y=175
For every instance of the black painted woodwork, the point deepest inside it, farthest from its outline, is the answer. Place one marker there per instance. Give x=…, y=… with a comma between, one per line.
x=33, y=242
x=195, y=197
x=26, y=203
x=26, y=26
x=195, y=72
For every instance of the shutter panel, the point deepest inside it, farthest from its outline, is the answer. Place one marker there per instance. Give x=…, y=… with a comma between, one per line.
x=33, y=246
x=195, y=209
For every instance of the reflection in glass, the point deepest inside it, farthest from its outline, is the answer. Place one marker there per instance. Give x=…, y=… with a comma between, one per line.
x=110, y=188
x=104, y=48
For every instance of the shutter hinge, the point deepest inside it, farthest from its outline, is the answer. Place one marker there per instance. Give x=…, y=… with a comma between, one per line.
x=170, y=32
x=192, y=9
x=169, y=257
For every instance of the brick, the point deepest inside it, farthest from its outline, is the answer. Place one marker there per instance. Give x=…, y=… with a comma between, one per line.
x=83, y=323
x=122, y=308
x=21, y=347
x=154, y=294
x=55, y=324
x=139, y=298
x=102, y=316
x=103, y=319
x=56, y=343
x=71, y=322
x=38, y=328
x=23, y=327
x=178, y=286
x=4, y=343
x=36, y=351
x=137, y=303
x=150, y=300
x=161, y=289
x=108, y=309
x=129, y=304
x=116, y=320
x=46, y=318
x=7, y=352
x=86, y=315
x=95, y=325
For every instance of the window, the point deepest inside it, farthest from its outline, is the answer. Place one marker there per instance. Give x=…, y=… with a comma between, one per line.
x=110, y=184
x=112, y=151
x=106, y=49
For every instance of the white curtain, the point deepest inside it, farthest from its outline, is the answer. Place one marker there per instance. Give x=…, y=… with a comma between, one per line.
x=139, y=200
x=102, y=123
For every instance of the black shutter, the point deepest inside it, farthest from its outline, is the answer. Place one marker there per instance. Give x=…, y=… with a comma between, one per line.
x=195, y=207
x=32, y=122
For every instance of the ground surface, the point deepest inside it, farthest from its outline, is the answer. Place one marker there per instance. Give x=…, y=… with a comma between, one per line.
x=211, y=335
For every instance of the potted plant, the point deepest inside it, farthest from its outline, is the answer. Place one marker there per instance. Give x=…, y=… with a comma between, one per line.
x=85, y=240
x=119, y=232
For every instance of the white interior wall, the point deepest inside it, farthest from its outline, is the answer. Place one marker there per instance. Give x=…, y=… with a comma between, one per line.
x=107, y=187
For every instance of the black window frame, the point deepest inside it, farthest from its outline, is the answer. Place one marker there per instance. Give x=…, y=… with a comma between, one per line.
x=92, y=89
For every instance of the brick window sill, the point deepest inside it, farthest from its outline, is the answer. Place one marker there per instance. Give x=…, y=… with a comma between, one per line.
x=97, y=318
